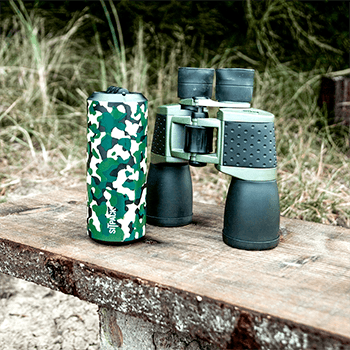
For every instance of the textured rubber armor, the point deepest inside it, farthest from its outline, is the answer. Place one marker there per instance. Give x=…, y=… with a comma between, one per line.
x=250, y=145
x=158, y=143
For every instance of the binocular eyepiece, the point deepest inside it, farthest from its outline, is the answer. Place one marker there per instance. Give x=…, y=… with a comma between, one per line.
x=245, y=149
x=232, y=84
x=195, y=82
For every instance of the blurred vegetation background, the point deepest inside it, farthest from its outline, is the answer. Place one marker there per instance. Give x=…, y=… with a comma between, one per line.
x=53, y=55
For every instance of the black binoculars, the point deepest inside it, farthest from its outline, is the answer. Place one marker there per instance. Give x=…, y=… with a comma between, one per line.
x=244, y=148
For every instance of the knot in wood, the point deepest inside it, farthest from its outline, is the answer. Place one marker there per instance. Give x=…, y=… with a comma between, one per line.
x=59, y=272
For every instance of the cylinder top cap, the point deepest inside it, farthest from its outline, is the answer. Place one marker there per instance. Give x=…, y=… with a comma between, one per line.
x=117, y=94
x=117, y=90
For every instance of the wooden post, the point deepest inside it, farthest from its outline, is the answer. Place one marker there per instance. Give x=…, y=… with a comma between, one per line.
x=335, y=93
x=125, y=332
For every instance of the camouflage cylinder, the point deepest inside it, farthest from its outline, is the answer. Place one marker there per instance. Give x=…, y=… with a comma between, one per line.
x=116, y=166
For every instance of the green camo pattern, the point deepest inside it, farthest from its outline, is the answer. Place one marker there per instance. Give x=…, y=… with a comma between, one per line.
x=116, y=170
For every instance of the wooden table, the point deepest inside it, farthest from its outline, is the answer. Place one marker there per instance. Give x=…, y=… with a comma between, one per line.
x=296, y=296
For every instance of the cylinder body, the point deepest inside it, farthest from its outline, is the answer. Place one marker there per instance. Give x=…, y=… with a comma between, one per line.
x=116, y=166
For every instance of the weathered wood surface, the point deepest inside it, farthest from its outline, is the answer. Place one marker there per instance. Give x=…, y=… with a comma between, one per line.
x=296, y=296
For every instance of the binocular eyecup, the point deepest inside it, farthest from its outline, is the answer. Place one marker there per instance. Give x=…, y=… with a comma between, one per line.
x=195, y=82
x=232, y=84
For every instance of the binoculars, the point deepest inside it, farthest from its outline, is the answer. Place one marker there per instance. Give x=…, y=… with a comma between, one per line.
x=240, y=141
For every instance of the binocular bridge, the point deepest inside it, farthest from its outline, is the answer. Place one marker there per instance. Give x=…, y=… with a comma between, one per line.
x=244, y=145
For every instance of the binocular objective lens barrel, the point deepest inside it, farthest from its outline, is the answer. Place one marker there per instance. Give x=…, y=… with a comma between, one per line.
x=252, y=215
x=195, y=82
x=169, y=195
x=234, y=84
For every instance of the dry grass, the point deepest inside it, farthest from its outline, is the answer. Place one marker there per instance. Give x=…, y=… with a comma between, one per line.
x=45, y=80
x=313, y=166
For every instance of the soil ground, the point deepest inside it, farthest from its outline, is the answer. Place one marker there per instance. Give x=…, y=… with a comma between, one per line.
x=35, y=317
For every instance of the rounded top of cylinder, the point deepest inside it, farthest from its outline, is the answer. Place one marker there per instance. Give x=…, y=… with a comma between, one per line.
x=195, y=82
x=117, y=90
x=117, y=94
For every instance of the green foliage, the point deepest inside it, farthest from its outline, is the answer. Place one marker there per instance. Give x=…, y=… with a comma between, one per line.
x=303, y=33
x=293, y=31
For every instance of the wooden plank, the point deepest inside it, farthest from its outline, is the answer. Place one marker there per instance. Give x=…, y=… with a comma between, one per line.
x=295, y=296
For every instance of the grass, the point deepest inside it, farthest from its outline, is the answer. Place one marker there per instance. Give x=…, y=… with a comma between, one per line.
x=313, y=162
x=45, y=80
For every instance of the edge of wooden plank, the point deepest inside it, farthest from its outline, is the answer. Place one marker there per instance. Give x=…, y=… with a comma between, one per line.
x=212, y=320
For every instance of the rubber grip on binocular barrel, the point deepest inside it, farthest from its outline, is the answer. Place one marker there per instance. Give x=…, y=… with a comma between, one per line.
x=159, y=136
x=249, y=144
x=252, y=215
x=169, y=195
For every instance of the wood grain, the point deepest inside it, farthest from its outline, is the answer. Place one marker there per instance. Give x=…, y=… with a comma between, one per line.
x=295, y=296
